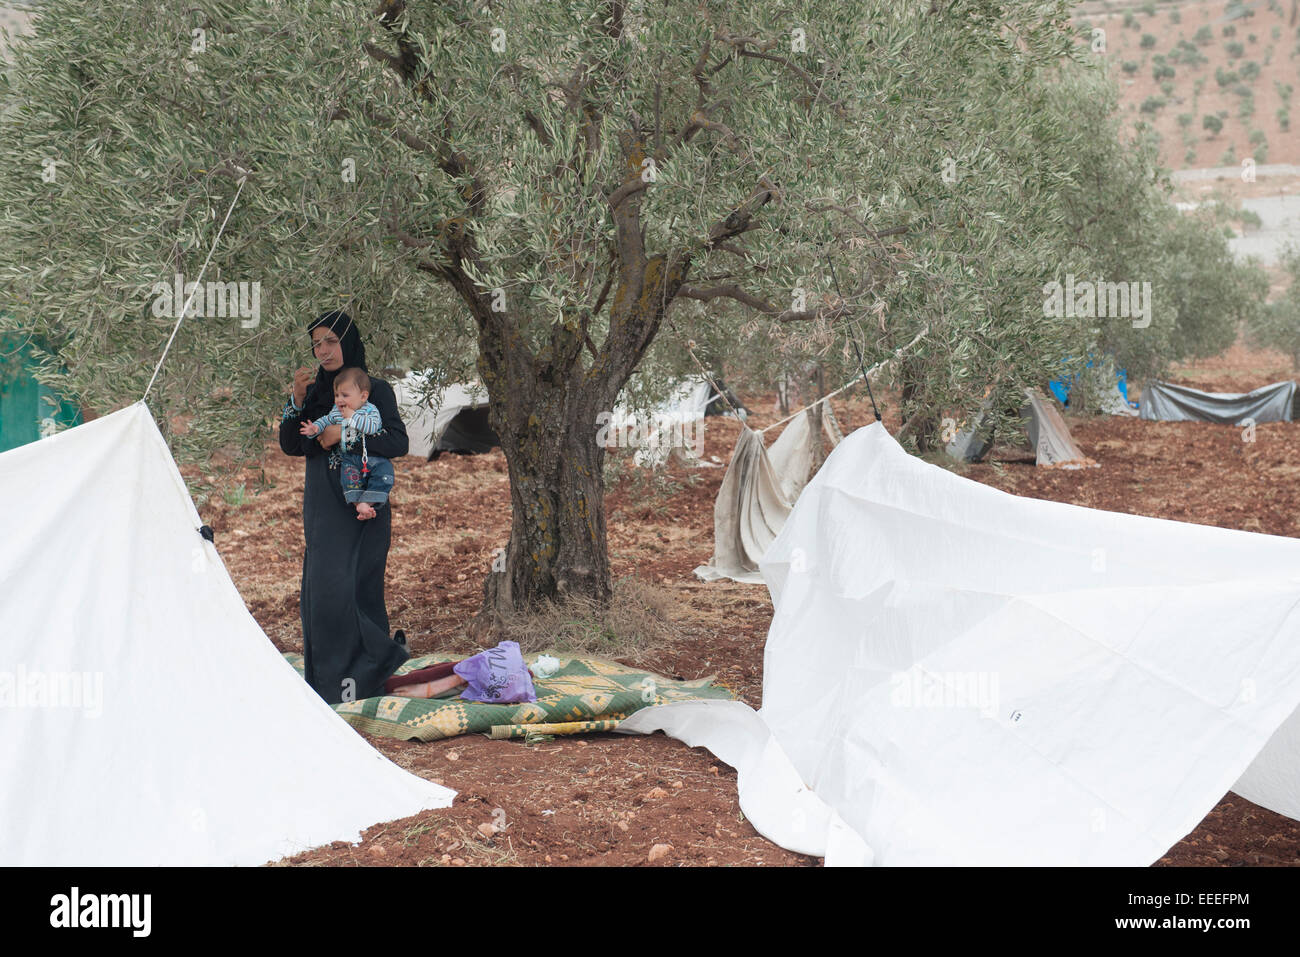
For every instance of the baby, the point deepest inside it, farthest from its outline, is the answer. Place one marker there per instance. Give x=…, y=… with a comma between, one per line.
x=367, y=479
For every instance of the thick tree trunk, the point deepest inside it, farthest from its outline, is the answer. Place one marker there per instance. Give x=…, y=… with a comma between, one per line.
x=546, y=408
x=557, y=494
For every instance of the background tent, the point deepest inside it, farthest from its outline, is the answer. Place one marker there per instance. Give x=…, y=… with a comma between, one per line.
x=757, y=494
x=145, y=719
x=1167, y=402
x=457, y=422
x=1112, y=390
x=28, y=410
x=1048, y=435
x=955, y=675
x=468, y=433
x=671, y=427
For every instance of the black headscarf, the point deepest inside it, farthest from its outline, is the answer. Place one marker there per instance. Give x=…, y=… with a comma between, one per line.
x=320, y=394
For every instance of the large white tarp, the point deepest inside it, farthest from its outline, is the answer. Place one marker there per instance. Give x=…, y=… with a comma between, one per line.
x=145, y=718
x=957, y=675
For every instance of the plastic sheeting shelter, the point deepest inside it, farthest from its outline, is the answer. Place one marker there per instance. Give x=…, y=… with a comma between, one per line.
x=1113, y=392
x=1049, y=436
x=959, y=676
x=145, y=718
x=674, y=427
x=458, y=423
x=757, y=494
x=1167, y=402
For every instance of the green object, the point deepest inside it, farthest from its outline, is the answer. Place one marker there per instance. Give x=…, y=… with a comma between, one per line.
x=582, y=690
x=26, y=406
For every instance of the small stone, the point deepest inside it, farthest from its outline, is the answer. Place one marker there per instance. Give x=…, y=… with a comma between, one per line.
x=659, y=852
x=548, y=859
x=446, y=858
x=378, y=850
x=677, y=785
x=489, y=831
x=622, y=826
x=655, y=794
x=457, y=862
x=453, y=755
x=713, y=769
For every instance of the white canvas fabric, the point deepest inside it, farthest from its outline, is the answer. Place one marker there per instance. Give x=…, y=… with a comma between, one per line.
x=425, y=426
x=145, y=718
x=757, y=493
x=957, y=675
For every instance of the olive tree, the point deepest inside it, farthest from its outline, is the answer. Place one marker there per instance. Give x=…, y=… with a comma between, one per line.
x=536, y=190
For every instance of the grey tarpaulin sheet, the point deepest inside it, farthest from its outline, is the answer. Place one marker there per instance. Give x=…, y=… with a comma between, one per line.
x=1166, y=402
x=1049, y=436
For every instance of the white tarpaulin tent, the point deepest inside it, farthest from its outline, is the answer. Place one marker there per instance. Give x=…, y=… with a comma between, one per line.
x=145, y=718
x=757, y=494
x=674, y=426
x=425, y=427
x=957, y=675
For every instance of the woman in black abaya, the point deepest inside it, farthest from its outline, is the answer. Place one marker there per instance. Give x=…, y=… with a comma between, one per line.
x=347, y=649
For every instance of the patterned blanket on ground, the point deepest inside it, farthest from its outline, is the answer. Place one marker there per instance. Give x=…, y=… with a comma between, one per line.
x=584, y=695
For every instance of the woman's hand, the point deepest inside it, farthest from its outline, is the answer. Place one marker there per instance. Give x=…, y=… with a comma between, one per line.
x=301, y=380
x=330, y=437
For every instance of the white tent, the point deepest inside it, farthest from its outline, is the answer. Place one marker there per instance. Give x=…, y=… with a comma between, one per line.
x=426, y=426
x=145, y=719
x=674, y=427
x=957, y=675
x=757, y=494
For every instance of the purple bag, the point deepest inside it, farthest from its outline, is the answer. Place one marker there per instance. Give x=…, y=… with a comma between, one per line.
x=497, y=676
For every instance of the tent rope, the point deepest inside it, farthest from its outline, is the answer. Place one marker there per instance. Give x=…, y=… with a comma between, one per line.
x=864, y=375
x=197, y=285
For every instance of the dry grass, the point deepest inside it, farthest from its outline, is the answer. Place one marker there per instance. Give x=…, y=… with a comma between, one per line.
x=638, y=623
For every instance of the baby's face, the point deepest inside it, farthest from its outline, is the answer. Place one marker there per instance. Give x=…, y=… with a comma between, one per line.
x=349, y=398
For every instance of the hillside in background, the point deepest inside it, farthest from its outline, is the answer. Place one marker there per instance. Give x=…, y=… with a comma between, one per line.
x=1215, y=79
